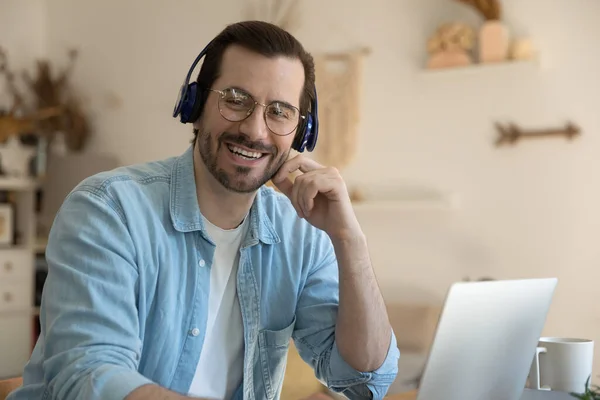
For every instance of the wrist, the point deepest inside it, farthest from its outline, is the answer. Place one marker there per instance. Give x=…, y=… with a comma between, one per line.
x=348, y=238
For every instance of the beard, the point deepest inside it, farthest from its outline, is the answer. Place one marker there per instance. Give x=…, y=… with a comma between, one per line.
x=242, y=179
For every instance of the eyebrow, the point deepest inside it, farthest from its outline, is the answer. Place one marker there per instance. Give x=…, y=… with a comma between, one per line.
x=273, y=101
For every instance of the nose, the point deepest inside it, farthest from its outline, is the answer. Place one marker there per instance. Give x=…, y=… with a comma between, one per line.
x=255, y=126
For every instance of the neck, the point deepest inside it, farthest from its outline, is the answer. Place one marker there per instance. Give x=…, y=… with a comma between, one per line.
x=222, y=207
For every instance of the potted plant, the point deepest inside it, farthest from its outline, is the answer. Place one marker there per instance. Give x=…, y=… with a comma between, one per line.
x=590, y=392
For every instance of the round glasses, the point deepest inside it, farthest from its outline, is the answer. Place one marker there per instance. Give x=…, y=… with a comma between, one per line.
x=236, y=105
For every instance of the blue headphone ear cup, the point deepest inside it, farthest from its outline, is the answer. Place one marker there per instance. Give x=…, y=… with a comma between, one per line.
x=313, y=133
x=299, y=143
x=198, y=104
x=311, y=140
x=187, y=103
x=179, y=101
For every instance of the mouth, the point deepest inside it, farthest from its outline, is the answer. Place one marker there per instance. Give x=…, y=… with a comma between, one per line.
x=245, y=157
x=244, y=153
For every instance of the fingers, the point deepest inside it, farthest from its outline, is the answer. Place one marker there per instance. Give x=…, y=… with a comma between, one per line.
x=308, y=200
x=294, y=198
x=299, y=162
x=307, y=187
x=314, y=180
x=291, y=190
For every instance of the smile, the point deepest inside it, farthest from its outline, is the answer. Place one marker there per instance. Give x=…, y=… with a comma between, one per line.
x=244, y=154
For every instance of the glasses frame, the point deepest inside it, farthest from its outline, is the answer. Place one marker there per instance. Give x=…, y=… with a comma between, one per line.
x=249, y=113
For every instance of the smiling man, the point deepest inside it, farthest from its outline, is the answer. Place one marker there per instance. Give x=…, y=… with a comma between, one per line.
x=188, y=277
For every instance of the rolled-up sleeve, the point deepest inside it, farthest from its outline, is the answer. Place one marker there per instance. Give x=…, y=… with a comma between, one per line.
x=89, y=320
x=314, y=334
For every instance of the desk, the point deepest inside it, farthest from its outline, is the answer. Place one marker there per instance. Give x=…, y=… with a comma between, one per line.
x=8, y=385
x=412, y=395
x=528, y=394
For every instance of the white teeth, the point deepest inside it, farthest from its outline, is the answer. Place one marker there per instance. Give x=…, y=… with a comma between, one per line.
x=247, y=154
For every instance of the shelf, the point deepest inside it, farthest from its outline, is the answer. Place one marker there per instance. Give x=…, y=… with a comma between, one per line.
x=520, y=66
x=39, y=247
x=18, y=183
x=15, y=247
x=448, y=203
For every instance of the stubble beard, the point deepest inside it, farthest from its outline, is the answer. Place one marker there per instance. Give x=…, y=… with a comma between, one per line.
x=242, y=182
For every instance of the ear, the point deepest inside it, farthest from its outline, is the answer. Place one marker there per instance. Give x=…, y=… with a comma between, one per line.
x=196, y=123
x=200, y=101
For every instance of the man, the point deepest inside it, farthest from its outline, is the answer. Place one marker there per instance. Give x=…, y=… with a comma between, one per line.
x=188, y=277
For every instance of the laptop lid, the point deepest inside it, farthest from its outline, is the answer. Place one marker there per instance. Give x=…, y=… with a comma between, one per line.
x=485, y=340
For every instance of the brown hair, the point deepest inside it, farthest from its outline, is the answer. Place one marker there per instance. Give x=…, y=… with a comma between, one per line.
x=263, y=38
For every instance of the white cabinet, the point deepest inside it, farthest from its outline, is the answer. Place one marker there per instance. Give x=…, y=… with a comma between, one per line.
x=11, y=264
x=17, y=270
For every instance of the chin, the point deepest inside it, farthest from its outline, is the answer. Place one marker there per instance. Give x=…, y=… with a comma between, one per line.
x=237, y=174
x=241, y=182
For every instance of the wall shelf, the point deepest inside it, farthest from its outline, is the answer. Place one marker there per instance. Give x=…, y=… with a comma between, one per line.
x=18, y=183
x=447, y=202
x=508, y=66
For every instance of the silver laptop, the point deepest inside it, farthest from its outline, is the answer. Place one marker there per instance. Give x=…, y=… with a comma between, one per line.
x=486, y=339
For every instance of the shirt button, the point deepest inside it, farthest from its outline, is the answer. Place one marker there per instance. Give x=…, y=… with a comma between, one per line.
x=201, y=263
x=195, y=332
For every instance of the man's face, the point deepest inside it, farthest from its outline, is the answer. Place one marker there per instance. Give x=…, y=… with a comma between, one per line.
x=244, y=155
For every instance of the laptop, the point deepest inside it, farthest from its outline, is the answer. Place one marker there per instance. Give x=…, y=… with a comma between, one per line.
x=486, y=339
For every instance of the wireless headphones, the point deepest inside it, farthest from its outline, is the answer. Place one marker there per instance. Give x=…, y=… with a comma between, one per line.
x=190, y=102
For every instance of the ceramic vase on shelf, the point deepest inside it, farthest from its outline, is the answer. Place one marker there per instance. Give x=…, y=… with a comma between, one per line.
x=522, y=49
x=494, y=42
x=449, y=59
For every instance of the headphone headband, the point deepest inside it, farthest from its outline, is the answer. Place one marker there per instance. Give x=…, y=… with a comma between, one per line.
x=190, y=103
x=184, y=91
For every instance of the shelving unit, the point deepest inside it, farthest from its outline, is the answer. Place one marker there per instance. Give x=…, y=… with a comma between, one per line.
x=508, y=66
x=18, y=184
x=442, y=202
x=17, y=268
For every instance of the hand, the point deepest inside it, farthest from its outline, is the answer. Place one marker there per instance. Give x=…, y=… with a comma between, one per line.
x=320, y=196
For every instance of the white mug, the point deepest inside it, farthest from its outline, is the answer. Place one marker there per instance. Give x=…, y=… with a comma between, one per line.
x=562, y=364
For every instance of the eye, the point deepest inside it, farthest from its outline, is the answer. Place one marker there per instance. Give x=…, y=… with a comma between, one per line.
x=281, y=111
x=236, y=99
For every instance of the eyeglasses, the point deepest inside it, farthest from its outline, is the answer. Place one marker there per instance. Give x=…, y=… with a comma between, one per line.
x=236, y=105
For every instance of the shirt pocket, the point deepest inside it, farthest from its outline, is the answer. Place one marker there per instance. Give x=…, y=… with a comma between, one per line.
x=273, y=346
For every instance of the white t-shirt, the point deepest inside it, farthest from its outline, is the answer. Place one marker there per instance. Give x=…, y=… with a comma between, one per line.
x=220, y=369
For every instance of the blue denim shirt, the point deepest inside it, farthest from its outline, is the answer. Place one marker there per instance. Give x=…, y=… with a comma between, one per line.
x=125, y=301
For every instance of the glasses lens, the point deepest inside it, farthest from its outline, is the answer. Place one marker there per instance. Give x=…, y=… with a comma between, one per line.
x=235, y=105
x=281, y=118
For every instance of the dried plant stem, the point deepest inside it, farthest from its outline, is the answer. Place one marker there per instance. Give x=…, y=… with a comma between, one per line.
x=490, y=10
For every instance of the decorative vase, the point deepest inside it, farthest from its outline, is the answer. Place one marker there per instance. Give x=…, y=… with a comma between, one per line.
x=522, y=49
x=494, y=42
x=449, y=59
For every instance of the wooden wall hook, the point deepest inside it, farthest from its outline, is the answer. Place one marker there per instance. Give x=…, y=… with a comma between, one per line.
x=511, y=133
